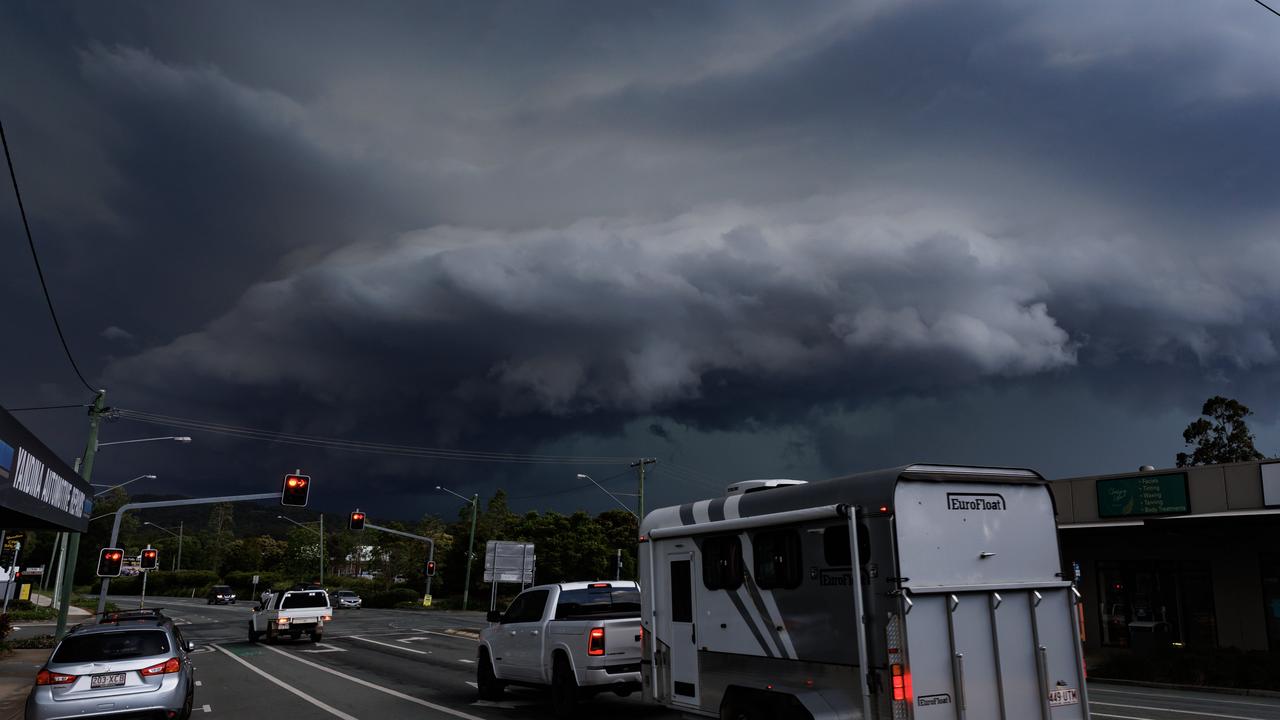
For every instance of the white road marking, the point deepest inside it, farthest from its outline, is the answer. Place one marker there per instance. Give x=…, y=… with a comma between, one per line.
x=473, y=662
x=327, y=648
x=1171, y=710
x=411, y=639
x=329, y=709
x=206, y=708
x=199, y=683
x=1184, y=698
x=474, y=684
x=1118, y=717
x=448, y=635
x=374, y=686
x=396, y=647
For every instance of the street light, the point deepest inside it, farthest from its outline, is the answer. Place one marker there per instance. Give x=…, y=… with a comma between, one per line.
x=319, y=532
x=471, y=546
x=126, y=482
x=177, y=564
x=180, y=438
x=606, y=492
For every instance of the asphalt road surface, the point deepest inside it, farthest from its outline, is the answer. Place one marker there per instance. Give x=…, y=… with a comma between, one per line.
x=388, y=664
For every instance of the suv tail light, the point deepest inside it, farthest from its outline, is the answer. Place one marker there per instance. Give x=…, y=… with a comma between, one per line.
x=172, y=665
x=44, y=677
x=595, y=642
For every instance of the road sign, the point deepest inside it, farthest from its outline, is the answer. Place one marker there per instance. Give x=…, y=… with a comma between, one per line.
x=426, y=601
x=255, y=579
x=508, y=562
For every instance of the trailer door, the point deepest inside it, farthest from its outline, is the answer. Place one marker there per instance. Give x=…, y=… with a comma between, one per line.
x=680, y=632
x=989, y=627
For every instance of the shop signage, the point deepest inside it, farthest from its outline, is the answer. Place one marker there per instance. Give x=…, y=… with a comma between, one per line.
x=1270, y=484
x=1143, y=495
x=38, y=489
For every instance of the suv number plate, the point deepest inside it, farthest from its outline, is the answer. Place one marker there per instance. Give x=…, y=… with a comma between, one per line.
x=1065, y=696
x=101, y=681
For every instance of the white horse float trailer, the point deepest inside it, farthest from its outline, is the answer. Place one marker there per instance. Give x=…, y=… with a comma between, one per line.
x=752, y=600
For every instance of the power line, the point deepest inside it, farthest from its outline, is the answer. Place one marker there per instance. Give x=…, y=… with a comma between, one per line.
x=1273, y=10
x=366, y=447
x=47, y=407
x=22, y=211
x=567, y=491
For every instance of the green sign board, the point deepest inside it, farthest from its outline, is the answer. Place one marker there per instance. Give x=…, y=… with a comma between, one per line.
x=1143, y=495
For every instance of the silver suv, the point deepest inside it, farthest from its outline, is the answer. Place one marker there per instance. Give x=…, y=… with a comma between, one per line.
x=126, y=663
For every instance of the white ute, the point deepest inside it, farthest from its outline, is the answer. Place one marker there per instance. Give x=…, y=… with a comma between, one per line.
x=577, y=638
x=291, y=613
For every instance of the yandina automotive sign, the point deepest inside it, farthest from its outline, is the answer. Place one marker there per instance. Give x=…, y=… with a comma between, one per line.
x=37, y=489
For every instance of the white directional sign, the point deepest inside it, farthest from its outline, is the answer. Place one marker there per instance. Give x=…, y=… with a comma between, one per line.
x=508, y=562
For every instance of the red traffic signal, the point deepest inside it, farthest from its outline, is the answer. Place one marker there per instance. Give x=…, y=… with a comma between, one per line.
x=295, y=490
x=150, y=558
x=431, y=568
x=357, y=520
x=109, y=562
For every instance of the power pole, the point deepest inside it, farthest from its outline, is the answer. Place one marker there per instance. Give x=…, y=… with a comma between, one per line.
x=471, y=550
x=639, y=465
x=68, y=572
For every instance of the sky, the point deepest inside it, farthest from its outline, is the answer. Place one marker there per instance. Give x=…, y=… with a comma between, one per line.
x=749, y=239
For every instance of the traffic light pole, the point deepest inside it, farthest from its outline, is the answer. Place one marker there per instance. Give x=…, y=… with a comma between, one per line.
x=115, y=527
x=431, y=554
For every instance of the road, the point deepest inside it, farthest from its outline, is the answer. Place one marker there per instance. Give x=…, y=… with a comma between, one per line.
x=372, y=665
x=387, y=664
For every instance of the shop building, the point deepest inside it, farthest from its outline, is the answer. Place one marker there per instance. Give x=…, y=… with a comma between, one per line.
x=1183, y=557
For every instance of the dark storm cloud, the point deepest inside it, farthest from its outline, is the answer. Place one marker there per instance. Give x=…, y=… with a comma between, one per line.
x=507, y=226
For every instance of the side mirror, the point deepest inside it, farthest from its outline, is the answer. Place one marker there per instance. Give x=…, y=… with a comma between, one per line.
x=494, y=616
x=191, y=646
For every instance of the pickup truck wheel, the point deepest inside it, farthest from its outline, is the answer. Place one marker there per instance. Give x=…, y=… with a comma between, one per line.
x=564, y=689
x=253, y=634
x=316, y=637
x=272, y=636
x=487, y=683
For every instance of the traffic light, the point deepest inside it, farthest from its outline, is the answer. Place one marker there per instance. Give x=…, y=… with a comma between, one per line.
x=109, y=562
x=150, y=558
x=357, y=520
x=295, y=490
x=431, y=568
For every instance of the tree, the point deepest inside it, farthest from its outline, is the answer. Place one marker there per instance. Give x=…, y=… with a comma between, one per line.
x=1220, y=436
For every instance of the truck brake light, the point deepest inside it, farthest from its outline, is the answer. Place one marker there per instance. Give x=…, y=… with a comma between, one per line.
x=595, y=641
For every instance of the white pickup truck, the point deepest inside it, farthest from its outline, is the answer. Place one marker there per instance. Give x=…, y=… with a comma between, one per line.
x=291, y=613
x=578, y=638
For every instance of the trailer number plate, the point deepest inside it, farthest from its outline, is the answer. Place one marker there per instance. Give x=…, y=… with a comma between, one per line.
x=1064, y=696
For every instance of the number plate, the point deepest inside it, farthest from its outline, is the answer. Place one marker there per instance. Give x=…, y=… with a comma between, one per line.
x=1064, y=696
x=103, y=681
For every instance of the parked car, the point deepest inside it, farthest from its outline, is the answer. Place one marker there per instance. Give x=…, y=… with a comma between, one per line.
x=347, y=599
x=291, y=613
x=221, y=595
x=578, y=638
x=132, y=662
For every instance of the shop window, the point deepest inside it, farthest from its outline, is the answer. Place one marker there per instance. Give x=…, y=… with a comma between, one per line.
x=722, y=562
x=1172, y=602
x=1271, y=597
x=777, y=559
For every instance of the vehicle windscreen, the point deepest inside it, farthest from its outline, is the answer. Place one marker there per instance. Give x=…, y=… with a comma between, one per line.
x=598, y=603
x=100, y=647
x=221, y=590
x=300, y=600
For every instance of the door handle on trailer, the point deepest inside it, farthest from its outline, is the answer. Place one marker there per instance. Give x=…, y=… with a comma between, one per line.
x=533, y=632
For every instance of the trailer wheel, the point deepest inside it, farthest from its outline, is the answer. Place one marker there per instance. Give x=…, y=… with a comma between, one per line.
x=488, y=685
x=564, y=689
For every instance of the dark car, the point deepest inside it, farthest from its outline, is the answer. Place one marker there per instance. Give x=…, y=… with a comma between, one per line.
x=221, y=595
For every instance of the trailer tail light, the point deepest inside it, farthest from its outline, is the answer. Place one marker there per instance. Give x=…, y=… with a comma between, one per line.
x=44, y=677
x=899, y=683
x=595, y=642
x=172, y=665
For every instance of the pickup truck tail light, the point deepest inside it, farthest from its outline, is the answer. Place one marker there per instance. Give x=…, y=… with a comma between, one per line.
x=172, y=665
x=595, y=641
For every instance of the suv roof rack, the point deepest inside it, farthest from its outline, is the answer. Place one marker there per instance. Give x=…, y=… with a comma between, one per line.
x=115, y=616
